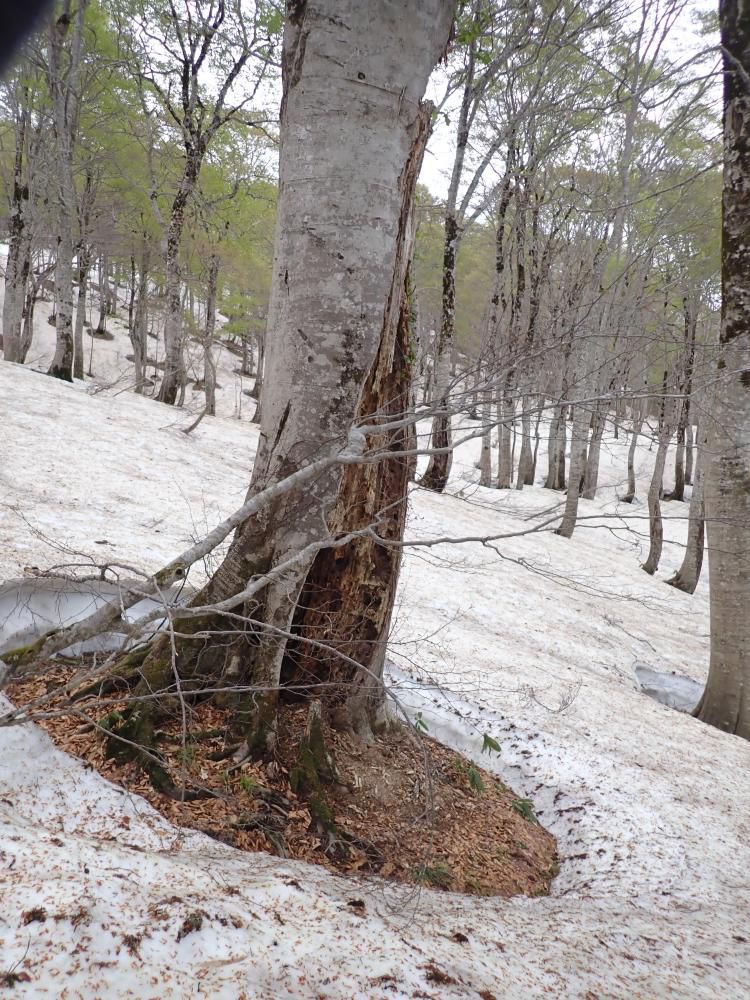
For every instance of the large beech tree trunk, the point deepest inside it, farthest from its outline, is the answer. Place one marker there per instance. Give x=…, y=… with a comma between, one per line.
x=343, y=243
x=726, y=699
x=348, y=596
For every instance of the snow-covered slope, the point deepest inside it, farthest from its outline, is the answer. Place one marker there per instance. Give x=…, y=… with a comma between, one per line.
x=534, y=643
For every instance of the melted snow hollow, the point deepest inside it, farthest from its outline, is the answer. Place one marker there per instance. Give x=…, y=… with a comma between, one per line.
x=535, y=644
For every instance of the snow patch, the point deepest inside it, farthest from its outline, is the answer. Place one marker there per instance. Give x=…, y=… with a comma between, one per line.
x=532, y=642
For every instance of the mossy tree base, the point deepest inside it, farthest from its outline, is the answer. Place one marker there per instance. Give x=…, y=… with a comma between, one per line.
x=400, y=806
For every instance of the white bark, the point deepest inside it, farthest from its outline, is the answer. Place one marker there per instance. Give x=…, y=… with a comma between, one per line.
x=343, y=236
x=726, y=700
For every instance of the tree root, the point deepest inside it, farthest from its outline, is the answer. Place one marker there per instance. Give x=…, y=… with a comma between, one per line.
x=315, y=768
x=135, y=740
x=124, y=671
x=224, y=754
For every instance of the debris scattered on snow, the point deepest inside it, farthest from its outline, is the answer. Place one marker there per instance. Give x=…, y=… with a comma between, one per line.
x=535, y=648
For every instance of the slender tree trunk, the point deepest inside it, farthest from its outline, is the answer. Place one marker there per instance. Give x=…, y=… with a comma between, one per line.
x=259, y=370
x=63, y=88
x=132, y=287
x=591, y=478
x=554, y=422
x=656, y=526
x=62, y=362
x=16, y=282
x=113, y=287
x=84, y=263
x=492, y=331
x=558, y=434
x=104, y=294
x=27, y=331
x=687, y=576
x=19, y=247
x=617, y=415
x=678, y=493
x=485, y=457
x=246, y=367
x=506, y=414
x=209, y=363
x=689, y=454
x=438, y=468
x=138, y=326
x=525, y=473
x=537, y=424
x=579, y=441
x=639, y=407
x=83, y=277
x=174, y=347
x=473, y=412
x=726, y=699
x=556, y=446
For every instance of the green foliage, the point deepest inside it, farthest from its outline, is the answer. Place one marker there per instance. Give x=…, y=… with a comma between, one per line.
x=419, y=724
x=475, y=779
x=186, y=755
x=437, y=875
x=469, y=771
x=111, y=720
x=249, y=784
x=524, y=808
